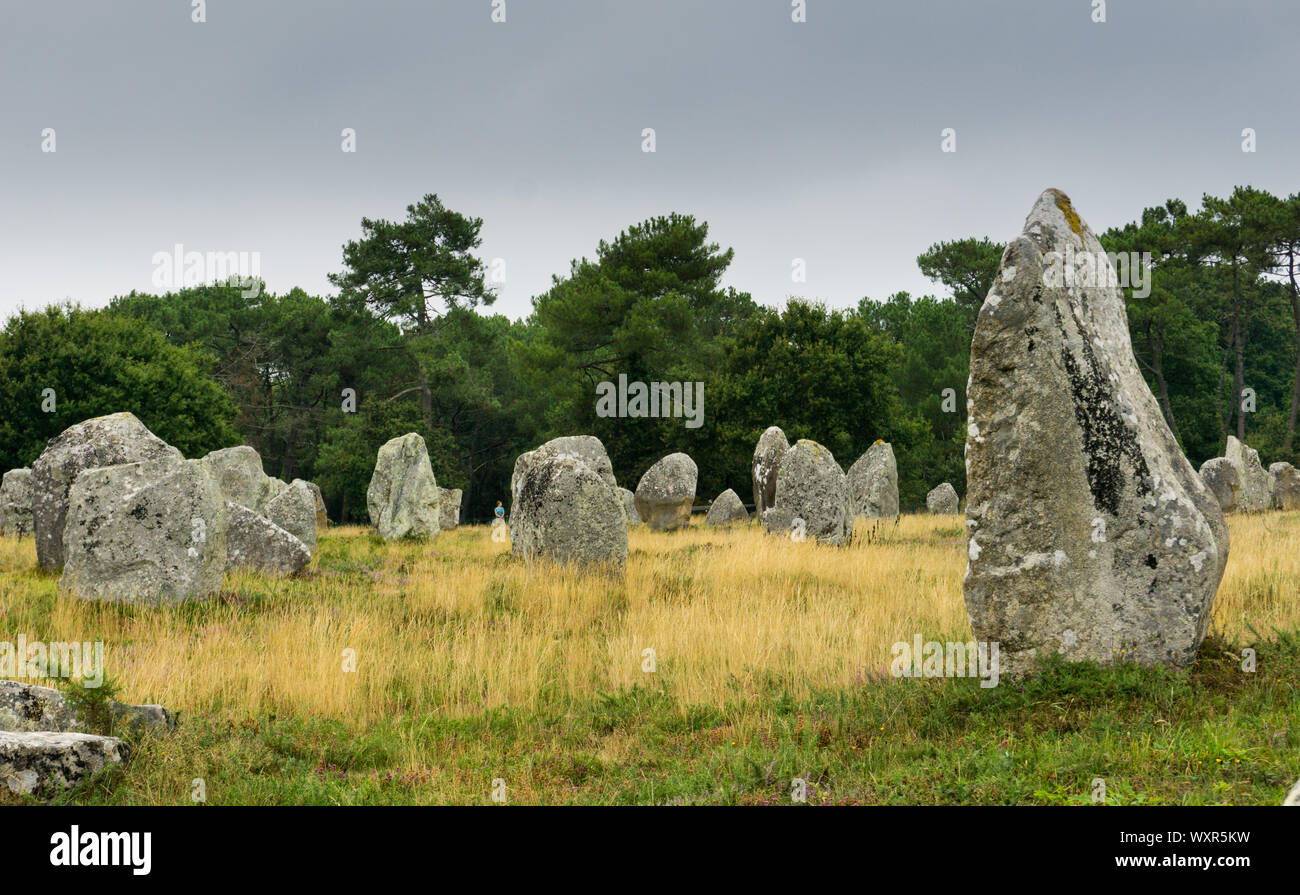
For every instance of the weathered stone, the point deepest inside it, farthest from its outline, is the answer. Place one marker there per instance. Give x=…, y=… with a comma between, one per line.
x=942, y=501
x=1284, y=485
x=403, y=494
x=1090, y=535
x=255, y=542
x=812, y=496
x=1253, y=495
x=771, y=447
x=322, y=518
x=587, y=449
x=16, y=502
x=240, y=476
x=873, y=482
x=43, y=764
x=727, y=510
x=1223, y=482
x=629, y=506
x=294, y=510
x=150, y=533
x=566, y=512
x=666, y=492
x=1293, y=797
x=449, y=501
x=102, y=441
x=27, y=707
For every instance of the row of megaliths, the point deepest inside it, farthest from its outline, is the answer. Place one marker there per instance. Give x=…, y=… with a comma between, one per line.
x=1090, y=534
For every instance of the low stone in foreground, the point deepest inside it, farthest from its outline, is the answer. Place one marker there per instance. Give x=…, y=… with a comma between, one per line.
x=29, y=708
x=42, y=764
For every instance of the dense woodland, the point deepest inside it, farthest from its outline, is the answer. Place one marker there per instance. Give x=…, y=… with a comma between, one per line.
x=410, y=331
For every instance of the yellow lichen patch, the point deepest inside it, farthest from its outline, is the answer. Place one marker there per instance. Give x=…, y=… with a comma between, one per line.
x=1071, y=216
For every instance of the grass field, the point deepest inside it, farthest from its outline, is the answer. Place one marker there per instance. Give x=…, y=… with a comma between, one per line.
x=770, y=663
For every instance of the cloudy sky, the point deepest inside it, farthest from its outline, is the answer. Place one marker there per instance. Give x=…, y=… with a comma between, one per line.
x=818, y=140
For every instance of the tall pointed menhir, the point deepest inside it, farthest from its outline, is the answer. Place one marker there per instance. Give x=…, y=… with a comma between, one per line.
x=1090, y=535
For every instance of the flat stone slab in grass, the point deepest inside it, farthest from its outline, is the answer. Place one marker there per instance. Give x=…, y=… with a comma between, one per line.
x=31, y=708
x=41, y=764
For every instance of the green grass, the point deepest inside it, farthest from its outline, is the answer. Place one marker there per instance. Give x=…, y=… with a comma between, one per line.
x=1212, y=734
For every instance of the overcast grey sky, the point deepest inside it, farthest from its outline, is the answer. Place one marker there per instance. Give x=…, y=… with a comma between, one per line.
x=819, y=140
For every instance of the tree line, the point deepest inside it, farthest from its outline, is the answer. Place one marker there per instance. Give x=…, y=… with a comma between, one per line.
x=408, y=343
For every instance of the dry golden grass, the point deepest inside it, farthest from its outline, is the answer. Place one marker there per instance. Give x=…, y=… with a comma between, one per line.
x=458, y=626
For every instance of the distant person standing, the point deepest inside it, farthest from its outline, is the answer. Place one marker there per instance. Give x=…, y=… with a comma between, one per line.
x=499, y=528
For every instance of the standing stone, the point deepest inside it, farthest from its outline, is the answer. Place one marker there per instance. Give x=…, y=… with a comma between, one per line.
x=587, y=449
x=103, y=441
x=322, y=518
x=255, y=542
x=1221, y=478
x=294, y=510
x=1285, y=486
x=240, y=476
x=566, y=512
x=666, y=492
x=1090, y=535
x=942, y=501
x=449, y=501
x=1253, y=494
x=16, y=502
x=873, y=481
x=727, y=510
x=771, y=447
x=403, y=494
x=629, y=506
x=812, y=496
x=151, y=533
x=43, y=764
